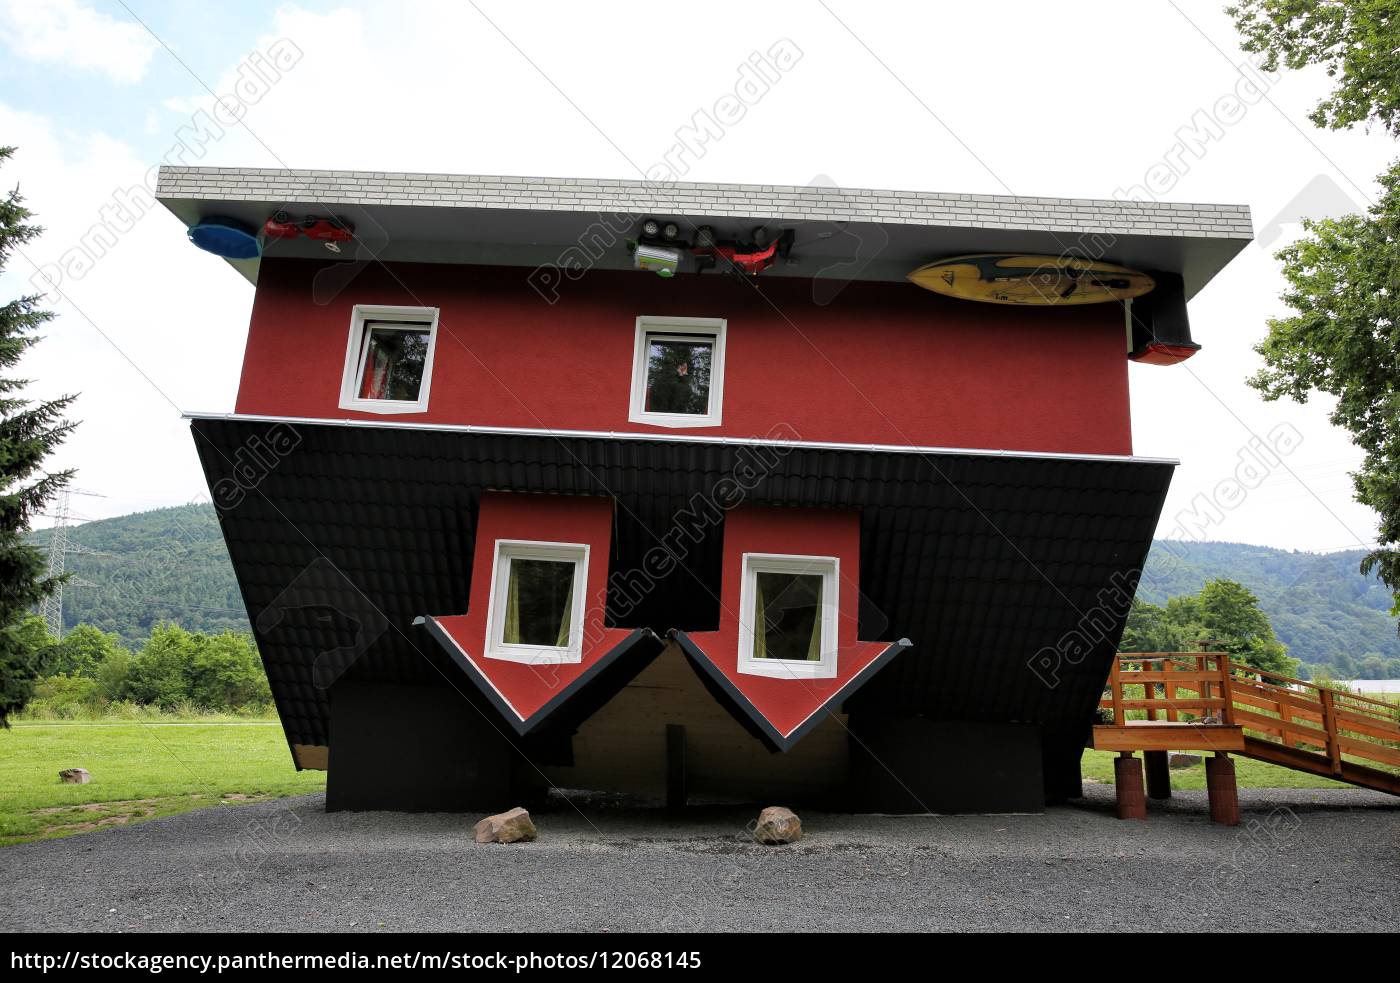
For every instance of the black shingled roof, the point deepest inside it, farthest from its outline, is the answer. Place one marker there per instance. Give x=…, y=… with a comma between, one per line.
x=981, y=560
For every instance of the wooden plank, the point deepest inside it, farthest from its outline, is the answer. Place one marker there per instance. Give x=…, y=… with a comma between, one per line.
x=1329, y=723
x=1266, y=700
x=1215, y=703
x=1181, y=737
x=1286, y=730
x=1115, y=692
x=1227, y=715
x=1362, y=724
x=1365, y=749
x=1378, y=705
x=1169, y=676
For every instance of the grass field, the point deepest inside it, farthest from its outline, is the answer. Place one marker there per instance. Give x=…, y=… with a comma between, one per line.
x=1098, y=766
x=140, y=770
x=146, y=769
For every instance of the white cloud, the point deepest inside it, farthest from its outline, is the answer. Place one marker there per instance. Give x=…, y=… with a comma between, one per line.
x=65, y=32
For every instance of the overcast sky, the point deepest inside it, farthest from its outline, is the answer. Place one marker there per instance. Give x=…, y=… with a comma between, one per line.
x=1022, y=98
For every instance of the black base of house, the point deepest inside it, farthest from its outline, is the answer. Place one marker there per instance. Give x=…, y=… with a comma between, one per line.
x=406, y=748
x=913, y=765
x=415, y=749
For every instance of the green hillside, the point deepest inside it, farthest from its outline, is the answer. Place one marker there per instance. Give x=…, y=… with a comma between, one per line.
x=148, y=567
x=1318, y=603
x=170, y=564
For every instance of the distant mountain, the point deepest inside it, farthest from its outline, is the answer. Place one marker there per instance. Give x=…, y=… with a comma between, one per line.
x=1318, y=603
x=137, y=570
x=170, y=564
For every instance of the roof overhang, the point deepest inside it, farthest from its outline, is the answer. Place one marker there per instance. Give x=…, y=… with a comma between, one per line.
x=839, y=233
x=985, y=559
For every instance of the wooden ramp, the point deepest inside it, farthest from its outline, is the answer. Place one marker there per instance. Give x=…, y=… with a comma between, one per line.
x=1193, y=701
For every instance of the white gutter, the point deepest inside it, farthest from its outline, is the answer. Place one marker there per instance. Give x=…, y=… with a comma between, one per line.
x=824, y=445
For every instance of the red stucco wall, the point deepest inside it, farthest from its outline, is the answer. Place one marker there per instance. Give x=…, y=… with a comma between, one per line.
x=786, y=703
x=546, y=518
x=884, y=363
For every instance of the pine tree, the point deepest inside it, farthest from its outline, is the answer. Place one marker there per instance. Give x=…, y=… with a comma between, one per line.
x=29, y=432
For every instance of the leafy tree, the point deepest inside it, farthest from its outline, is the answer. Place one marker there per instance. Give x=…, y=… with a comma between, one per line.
x=227, y=672
x=1224, y=612
x=83, y=650
x=65, y=692
x=26, y=655
x=1229, y=612
x=1150, y=629
x=1357, y=41
x=159, y=674
x=1371, y=666
x=179, y=667
x=29, y=432
x=1344, y=337
x=111, y=676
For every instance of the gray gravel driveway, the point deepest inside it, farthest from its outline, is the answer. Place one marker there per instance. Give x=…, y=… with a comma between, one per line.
x=1302, y=860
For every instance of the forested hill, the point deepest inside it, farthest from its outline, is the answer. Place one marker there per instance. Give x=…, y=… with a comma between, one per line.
x=170, y=564
x=137, y=570
x=1319, y=603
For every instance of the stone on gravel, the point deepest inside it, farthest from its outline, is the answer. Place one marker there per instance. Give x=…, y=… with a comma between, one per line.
x=506, y=827
x=74, y=776
x=777, y=825
x=1177, y=759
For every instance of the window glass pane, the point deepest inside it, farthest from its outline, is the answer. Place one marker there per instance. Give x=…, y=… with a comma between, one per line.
x=539, y=602
x=393, y=361
x=678, y=375
x=787, y=616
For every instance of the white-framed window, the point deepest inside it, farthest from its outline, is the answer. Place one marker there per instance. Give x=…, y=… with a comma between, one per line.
x=678, y=371
x=389, y=359
x=535, y=613
x=787, y=616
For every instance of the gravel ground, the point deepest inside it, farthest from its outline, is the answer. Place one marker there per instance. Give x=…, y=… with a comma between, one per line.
x=1302, y=860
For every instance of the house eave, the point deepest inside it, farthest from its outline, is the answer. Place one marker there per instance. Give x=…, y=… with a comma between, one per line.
x=841, y=234
x=674, y=438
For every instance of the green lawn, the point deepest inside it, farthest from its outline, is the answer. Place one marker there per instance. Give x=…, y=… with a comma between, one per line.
x=140, y=770
x=145, y=769
x=1098, y=766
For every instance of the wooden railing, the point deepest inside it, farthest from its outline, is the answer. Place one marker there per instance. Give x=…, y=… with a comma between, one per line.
x=1192, y=687
x=1206, y=688
x=1303, y=715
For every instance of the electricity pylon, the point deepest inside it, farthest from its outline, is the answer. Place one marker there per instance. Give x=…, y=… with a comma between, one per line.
x=51, y=607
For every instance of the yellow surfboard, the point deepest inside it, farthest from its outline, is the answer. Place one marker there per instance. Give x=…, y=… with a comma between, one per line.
x=1046, y=281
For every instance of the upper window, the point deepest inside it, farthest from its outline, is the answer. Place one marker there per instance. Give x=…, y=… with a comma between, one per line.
x=389, y=360
x=787, y=618
x=678, y=371
x=536, y=608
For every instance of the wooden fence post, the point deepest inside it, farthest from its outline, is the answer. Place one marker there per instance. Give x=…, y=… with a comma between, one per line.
x=1329, y=724
x=1227, y=713
x=1115, y=692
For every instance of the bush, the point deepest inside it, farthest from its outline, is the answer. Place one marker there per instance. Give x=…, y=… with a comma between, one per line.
x=176, y=672
x=179, y=668
x=83, y=650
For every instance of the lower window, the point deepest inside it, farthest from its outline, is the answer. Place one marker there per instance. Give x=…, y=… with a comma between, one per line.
x=536, y=607
x=787, y=620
